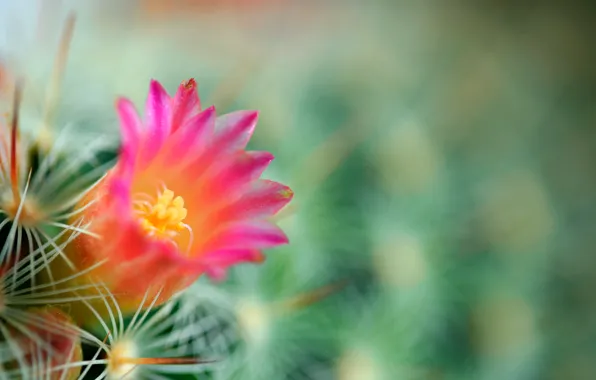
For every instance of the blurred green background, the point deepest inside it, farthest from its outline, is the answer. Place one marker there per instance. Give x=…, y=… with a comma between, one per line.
x=443, y=159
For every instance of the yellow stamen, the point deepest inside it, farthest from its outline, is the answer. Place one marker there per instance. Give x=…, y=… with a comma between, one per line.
x=165, y=217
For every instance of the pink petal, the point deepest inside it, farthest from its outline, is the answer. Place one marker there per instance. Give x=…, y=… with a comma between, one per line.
x=216, y=273
x=185, y=103
x=217, y=262
x=130, y=127
x=227, y=257
x=191, y=138
x=119, y=194
x=264, y=200
x=239, y=170
x=234, y=130
x=157, y=119
x=248, y=235
x=232, y=133
x=130, y=124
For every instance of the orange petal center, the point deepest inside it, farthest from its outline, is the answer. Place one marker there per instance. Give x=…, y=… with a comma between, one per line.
x=163, y=216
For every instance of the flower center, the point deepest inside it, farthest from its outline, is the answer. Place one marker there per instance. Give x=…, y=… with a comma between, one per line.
x=163, y=216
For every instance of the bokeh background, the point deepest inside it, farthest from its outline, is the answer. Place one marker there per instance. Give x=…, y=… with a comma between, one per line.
x=443, y=156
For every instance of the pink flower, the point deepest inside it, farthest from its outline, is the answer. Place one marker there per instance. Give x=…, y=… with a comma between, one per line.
x=185, y=198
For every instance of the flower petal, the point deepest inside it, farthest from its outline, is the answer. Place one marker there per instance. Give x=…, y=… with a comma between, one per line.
x=157, y=120
x=232, y=133
x=231, y=180
x=234, y=130
x=216, y=263
x=131, y=129
x=118, y=193
x=248, y=235
x=190, y=139
x=185, y=103
x=264, y=200
x=130, y=123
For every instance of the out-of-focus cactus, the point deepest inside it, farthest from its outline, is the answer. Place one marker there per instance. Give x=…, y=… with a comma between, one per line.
x=442, y=162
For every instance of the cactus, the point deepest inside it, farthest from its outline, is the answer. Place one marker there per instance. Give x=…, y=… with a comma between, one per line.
x=439, y=157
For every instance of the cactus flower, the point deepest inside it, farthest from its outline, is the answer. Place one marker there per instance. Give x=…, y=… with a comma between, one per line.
x=185, y=198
